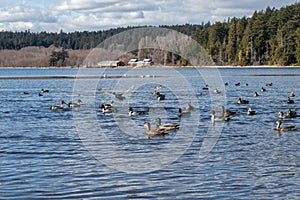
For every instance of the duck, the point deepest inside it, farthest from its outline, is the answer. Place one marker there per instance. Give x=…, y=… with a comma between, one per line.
x=160, y=96
x=227, y=112
x=216, y=91
x=242, y=101
x=166, y=126
x=250, y=112
x=282, y=116
x=226, y=84
x=218, y=118
x=255, y=94
x=238, y=84
x=182, y=113
x=189, y=106
x=269, y=84
x=133, y=113
x=120, y=95
x=246, y=84
x=26, y=93
x=60, y=107
x=44, y=90
x=291, y=113
x=292, y=94
x=262, y=89
x=284, y=128
x=153, y=132
x=290, y=101
x=205, y=88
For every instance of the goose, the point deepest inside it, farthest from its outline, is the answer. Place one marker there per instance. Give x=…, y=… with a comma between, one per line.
x=284, y=128
x=165, y=126
x=189, y=106
x=182, y=113
x=242, y=101
x=250, y=112
x=133, y=113
x=152, y=132
x=227, y=112
x=290, y=101
x=218, y=118
x=255, y=94
x=292, y=94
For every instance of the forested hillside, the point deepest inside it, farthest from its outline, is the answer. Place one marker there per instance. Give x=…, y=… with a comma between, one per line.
x=269, y=37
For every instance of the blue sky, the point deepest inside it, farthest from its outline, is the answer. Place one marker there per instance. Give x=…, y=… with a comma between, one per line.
x=80, y=15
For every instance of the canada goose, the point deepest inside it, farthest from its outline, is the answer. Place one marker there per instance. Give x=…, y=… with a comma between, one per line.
x=284, y=128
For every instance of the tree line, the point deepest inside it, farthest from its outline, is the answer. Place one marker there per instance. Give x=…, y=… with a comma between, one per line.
x=269, y=37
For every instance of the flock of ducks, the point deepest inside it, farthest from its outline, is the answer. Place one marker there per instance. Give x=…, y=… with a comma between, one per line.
x=163, y=129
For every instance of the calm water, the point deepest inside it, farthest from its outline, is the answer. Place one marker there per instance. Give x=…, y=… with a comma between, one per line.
x=85, y=154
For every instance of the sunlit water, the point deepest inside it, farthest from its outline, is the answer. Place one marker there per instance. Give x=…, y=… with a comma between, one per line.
x=84, y=154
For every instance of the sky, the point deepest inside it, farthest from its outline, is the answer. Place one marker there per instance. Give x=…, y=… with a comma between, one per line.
x=90, y=15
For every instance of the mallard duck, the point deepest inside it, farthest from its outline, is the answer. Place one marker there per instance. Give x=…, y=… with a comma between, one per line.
x=285, y=128
x=189, y=106
x=133, y=113
x=218, y=118
x=165, y=126
x=282, y=116
x=118, y=95
x=182, y=113
x=292, y=94
x=226, y=112
x=255, y=94
x=242, y=101
x=290, y=101
x=152, y=132
x=250, y=112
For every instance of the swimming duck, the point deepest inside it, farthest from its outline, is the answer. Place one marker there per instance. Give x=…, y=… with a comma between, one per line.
x=226, y=84
x=246, y=84
x=269, y=84
x=216, y=91
x=165, y=126
x=226, y=112
x=282, y=116
x=292, y=94
x=189, y=106
x=118, y=95
x=60, y=107
x=255, y=94
x=205, y=88
x=218, y=118
x=160, y=96
x=250, y=112
x=262, y=89
x=44, y=90
x=291, y=113
x=133, y=113
x=242, y=101
x=238, y=84
x=182, y=113
x=285, y=128
x=152, y=132
x=290, y=101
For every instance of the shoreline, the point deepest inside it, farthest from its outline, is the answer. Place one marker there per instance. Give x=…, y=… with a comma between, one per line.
x=154, y=67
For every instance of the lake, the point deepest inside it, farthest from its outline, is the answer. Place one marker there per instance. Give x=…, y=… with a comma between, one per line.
x=82, y=153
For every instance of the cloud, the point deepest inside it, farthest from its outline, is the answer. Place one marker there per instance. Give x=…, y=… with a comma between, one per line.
x=78, y=15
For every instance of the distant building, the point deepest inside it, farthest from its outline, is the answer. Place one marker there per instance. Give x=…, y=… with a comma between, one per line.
x=136, y=62
x=115, y=63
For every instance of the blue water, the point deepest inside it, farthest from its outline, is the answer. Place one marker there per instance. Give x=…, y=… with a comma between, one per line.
x=84, y=154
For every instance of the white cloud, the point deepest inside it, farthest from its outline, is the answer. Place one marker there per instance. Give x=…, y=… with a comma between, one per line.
x=72, y=15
